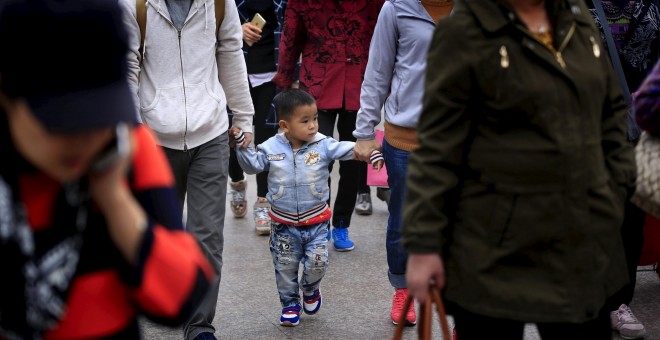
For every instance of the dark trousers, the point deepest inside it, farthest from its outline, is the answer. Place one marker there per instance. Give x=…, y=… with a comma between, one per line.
x=201, y=176
x=471, y=326
x=353, y=173
x=632, y=233
x=262, y=98
x=363, y=188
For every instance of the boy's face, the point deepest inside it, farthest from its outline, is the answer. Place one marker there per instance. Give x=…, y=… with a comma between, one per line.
x=302, y=126
x=64, y=157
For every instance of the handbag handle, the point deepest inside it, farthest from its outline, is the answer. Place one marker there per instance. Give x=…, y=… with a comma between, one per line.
x=424, y=326
x=633, y=129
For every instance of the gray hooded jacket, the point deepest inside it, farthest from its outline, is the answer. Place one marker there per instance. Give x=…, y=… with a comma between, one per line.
x=397, y=63
x=188, y=77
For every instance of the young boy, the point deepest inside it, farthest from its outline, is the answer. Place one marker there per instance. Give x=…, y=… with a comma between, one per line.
x=297, y=160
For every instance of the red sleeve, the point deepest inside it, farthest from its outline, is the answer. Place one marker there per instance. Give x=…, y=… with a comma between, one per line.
x=175, y=277
x=150, y=166
x=293, y=40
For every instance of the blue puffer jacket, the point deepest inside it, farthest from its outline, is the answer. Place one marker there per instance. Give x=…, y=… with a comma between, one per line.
x=297, y=180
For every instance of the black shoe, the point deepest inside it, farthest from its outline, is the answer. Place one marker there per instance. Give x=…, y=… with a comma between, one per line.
x=363, y=204
x=383, y=194
x=205, y=336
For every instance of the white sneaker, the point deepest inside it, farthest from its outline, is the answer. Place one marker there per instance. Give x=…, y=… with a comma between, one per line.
x=238, y=203
x=625, y=322
x=261, y=217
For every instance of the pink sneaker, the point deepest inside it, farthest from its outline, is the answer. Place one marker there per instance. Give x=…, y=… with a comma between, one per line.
x=399, y=299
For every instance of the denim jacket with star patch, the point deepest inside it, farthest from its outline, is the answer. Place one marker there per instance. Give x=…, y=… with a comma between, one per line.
x=297, y=180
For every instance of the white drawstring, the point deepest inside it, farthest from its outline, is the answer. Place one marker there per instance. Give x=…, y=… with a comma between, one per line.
x=206, y=17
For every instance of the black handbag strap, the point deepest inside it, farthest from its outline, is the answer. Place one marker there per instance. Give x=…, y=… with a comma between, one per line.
x=633, y=130
x=614, y=54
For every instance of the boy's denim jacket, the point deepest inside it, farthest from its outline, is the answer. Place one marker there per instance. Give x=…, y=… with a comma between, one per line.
x=297, y=181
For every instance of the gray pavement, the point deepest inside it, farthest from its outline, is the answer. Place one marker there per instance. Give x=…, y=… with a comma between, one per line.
x=356, y=292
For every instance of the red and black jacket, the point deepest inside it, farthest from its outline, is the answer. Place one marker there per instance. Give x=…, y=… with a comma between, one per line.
x=107, y=294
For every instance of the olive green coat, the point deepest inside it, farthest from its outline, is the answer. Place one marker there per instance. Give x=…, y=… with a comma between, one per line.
x=521, y=175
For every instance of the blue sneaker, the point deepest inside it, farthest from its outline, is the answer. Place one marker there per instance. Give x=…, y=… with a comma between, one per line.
x=312, y=303
x=341, y=241
x=290, y=316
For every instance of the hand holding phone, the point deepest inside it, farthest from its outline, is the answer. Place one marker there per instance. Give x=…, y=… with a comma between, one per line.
x=108, y=172
x=115, y=151
x=252, y=29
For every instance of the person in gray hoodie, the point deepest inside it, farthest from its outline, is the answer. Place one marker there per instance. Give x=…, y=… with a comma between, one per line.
x=394, y=77
x=184, y=78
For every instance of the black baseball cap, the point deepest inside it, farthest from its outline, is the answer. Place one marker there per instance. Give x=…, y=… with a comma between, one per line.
x=67, y=59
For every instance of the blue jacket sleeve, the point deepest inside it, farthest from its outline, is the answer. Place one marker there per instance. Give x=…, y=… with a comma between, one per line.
x=251, y=161
x=342, y=151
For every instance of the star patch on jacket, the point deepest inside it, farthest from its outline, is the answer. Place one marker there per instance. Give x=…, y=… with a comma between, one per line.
x=312, y=157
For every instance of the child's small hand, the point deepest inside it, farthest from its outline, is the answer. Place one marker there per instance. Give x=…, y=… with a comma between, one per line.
x=238, y=135
x=377, y=159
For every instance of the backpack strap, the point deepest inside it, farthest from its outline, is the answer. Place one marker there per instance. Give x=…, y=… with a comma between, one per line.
x=141, y=16
x=219, y=16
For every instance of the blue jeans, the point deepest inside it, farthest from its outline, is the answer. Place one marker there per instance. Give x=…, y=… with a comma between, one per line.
x=396, y=161
x=291, y=245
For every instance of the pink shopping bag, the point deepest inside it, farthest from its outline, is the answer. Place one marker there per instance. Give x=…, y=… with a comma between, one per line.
x=377, y=178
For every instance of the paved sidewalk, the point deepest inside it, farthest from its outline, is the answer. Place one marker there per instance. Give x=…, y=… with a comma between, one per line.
x=356, y=292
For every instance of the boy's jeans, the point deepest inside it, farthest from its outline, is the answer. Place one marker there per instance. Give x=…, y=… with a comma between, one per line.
x=396, y=161
x=291, y=245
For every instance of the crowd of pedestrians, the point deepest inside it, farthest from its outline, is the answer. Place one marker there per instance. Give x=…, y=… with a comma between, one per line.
x=509, y=136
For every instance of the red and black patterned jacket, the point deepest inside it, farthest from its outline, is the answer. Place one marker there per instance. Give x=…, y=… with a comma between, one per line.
x=107, y=294
x=333, y=37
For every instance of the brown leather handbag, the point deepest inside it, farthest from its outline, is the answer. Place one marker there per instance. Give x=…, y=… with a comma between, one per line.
x=424, y=319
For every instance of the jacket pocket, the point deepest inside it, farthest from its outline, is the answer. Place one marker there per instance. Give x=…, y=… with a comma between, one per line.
x=397, y=82
x=315, y=193
x=164, y=113
x=484, y=214
x=501, y=217
x=278, y=194
x=202, y=106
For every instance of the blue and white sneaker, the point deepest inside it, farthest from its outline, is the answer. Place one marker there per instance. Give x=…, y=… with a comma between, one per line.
x=312, y=303
x=341, y=241
x=290, y=316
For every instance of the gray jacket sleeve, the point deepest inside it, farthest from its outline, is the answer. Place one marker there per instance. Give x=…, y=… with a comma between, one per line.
x=232, y=71
x=342, y=151
x=251, y=161
x=378, y=75
x=130, y=20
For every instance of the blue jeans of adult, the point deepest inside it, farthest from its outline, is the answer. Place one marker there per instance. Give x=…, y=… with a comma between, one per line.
x=289, y=246
x=396, y=161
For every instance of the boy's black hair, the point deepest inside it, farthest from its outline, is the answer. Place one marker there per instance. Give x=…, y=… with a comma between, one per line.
x=287, y=101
